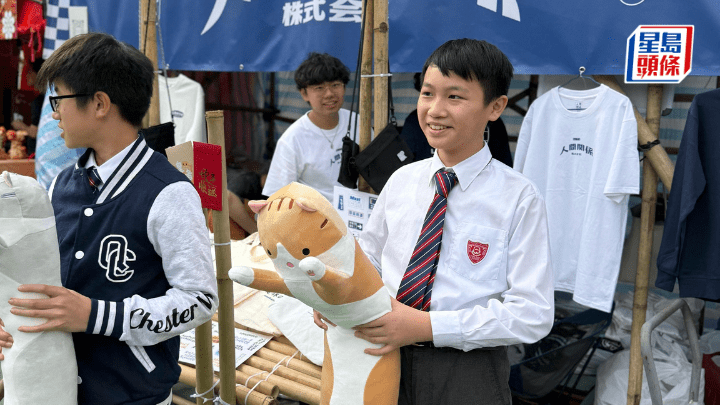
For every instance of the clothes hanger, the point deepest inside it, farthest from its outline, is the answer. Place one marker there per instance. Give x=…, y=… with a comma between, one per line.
x=585, y=80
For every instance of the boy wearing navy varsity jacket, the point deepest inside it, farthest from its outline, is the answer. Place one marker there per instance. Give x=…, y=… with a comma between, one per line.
x=135, y=255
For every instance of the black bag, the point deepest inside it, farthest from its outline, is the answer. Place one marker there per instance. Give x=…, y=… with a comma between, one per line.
x=160, y=137
x=348, y=176
x=385, y=154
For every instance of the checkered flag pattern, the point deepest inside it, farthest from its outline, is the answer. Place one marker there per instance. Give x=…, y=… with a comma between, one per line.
x=57, y=29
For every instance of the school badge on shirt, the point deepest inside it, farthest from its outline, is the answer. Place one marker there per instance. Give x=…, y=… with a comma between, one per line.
x=476, y=251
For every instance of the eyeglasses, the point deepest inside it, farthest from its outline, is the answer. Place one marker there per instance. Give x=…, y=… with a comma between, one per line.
x=333, y=86
x=55, y=100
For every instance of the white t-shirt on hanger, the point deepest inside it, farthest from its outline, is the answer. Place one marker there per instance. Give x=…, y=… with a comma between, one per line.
x=188, y=104
x=580, y=149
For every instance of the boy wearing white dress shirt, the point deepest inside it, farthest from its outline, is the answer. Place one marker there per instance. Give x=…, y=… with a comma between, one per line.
x=468, y=285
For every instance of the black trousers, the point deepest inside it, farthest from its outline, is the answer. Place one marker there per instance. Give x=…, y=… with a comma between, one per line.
x=435, y=376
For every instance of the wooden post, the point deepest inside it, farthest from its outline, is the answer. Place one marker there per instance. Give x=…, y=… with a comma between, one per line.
x=221, y=224
x=657, y=156
x=380, y=45
x=647, y=223
x=365, y=107
x=203, y=362
x=149, y=48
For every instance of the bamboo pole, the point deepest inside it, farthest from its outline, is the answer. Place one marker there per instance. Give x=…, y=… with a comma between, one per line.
x=647, y=223
x=283, y=348
x=380, y=46
x=283, y=371
x=289, y=350
x=149, y=48
x=657, y=156
x=260, y=385
x=293, y=389
x=187, y=376
x=223, y=262
x=291, y=363
x=178, y=400
x=203, y=362
x=365, y=107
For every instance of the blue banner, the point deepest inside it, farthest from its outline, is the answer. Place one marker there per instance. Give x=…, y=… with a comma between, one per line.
x=539, y=37
x=550, y=37
x=258, y=35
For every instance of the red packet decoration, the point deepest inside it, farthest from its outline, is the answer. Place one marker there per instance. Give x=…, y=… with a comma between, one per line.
x=202, y=163
x=476, y=251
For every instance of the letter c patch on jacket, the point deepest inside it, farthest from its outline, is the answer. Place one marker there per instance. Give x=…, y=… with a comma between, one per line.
x=113, y=257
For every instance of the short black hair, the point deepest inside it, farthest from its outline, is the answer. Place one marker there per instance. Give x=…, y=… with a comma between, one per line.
x=477, y=60
x=319, y=68
x=94, y=62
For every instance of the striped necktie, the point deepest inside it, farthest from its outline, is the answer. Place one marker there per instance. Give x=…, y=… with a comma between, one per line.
x=94, y=177
x=416, y=286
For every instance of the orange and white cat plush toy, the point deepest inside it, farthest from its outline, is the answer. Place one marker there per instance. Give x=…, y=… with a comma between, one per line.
x=319, y=262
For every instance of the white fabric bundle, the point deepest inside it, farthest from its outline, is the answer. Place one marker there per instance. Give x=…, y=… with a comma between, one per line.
x=40, y=368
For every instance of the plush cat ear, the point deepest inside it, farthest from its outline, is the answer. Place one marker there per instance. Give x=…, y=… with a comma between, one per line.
x=257, y=206
x=305, y=206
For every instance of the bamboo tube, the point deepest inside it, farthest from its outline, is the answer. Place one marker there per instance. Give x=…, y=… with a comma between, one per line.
x=282, y=339
x=250, y=381
x=292, y=363
x=149, y=48
x=380, y=46
x=657, y=156
x=178, y=400
x=281, y=347
x=203, y=361
x=283, y=371
x=365, y=107
x=287, y=387
x=288, y=349
x=647, y=223
x=187, y=376
x=223, y=262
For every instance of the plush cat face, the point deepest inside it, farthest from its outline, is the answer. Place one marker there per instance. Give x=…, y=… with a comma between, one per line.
x=300, y=229
x=300, y=219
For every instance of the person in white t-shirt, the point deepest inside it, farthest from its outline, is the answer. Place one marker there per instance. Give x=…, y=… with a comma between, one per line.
x=309, y=151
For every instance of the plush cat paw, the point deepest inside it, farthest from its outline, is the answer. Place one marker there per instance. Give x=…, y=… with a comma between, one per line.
x=242, y=275
x=313, y=267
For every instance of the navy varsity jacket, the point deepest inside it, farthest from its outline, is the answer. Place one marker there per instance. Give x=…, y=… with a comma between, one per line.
x=147, y=269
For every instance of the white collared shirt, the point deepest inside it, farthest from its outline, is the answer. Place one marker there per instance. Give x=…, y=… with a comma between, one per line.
x=503, y=296
x=106, y=169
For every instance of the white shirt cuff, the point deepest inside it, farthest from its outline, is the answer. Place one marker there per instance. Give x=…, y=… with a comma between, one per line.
x=446, y=329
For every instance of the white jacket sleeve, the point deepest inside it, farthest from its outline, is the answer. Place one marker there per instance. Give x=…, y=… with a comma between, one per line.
x=176, y=228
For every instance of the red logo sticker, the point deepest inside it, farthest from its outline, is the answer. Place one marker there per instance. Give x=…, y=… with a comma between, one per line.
x=476, y=251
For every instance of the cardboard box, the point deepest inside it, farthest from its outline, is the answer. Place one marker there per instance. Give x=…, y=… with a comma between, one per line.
x=202, y=164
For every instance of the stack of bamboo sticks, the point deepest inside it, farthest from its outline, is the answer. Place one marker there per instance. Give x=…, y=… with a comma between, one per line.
x=277, y=368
